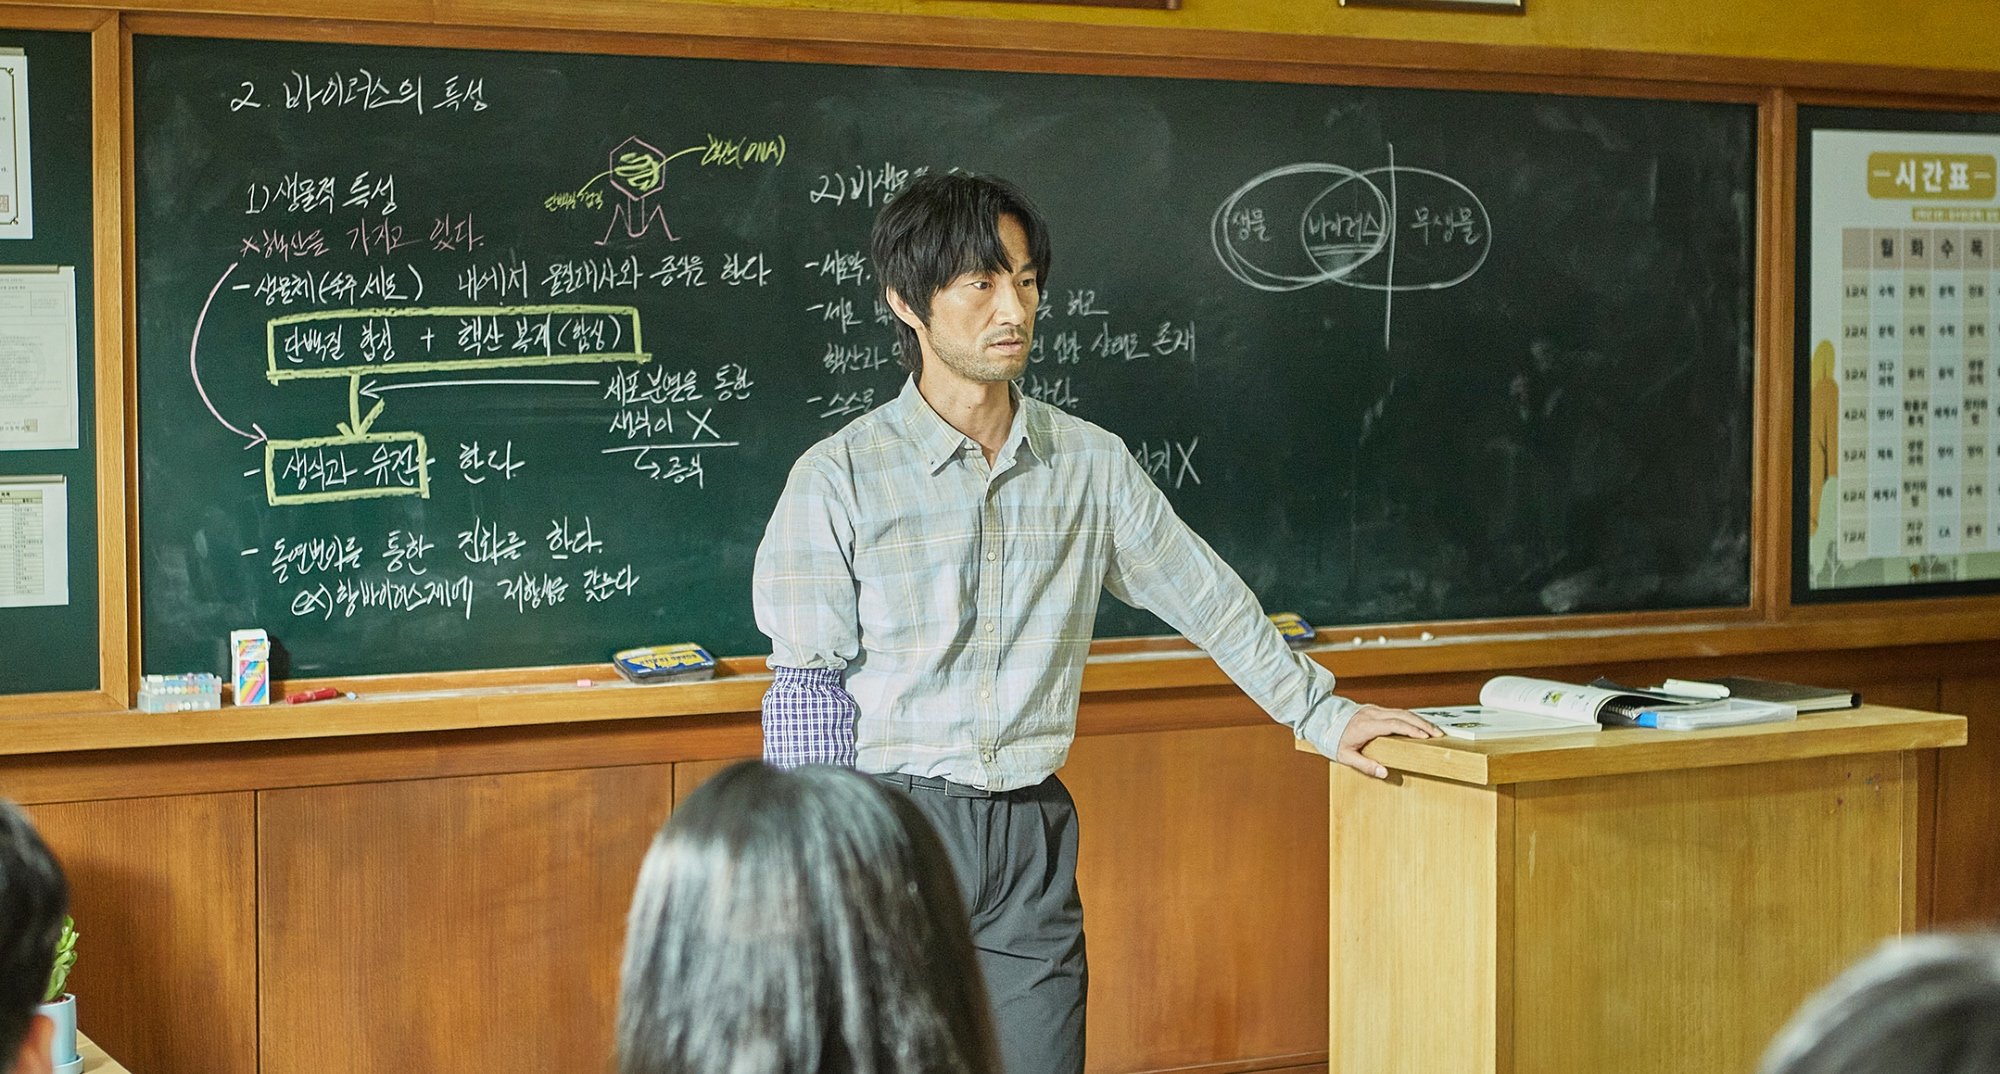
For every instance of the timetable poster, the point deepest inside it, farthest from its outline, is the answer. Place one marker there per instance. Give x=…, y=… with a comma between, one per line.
x=1903, y=478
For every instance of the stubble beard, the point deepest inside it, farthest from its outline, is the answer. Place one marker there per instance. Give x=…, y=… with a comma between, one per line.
x=976, y=365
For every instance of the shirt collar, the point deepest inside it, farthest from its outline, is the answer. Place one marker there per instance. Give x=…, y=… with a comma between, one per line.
x=939, y=443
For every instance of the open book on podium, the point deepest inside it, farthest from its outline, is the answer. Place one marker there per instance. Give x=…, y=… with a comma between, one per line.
x=1514, y=705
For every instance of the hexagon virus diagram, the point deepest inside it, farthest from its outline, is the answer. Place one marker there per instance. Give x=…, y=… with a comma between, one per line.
x=637, y=170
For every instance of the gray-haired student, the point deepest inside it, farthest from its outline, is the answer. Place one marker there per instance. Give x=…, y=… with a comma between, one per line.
x=929, y=582
x=1926, y=1004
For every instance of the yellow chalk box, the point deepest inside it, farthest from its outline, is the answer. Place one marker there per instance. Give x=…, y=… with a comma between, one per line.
x=1296, y=631
x=681, y=662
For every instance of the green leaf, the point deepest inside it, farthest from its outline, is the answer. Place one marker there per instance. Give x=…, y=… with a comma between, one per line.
x=65, y=958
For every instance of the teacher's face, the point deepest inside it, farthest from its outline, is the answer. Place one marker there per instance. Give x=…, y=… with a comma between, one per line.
x=982, y=322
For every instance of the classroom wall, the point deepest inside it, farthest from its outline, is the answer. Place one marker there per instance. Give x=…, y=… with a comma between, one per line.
x=1962, y=34
x=287, y=905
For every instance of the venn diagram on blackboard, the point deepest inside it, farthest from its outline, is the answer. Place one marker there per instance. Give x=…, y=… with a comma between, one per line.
x=1391, y=228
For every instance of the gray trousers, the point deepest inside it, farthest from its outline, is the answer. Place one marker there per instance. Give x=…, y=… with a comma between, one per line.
x=1014, y=853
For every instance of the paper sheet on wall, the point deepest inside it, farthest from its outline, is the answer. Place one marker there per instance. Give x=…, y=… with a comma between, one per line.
x=38, y=408
x=34, y=541
x=17, y=215
x=1904, y=476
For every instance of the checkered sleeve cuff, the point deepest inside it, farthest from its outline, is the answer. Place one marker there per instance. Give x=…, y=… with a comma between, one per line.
x=808, y=718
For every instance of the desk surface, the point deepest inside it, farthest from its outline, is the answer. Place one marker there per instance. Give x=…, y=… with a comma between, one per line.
x=94, y=1059
x=1621, y=750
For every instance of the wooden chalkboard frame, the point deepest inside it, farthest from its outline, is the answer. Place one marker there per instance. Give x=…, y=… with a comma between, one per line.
x=113, y=645
x=1770, y=624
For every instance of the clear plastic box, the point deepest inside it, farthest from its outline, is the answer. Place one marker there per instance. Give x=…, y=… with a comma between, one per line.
x=180, y=693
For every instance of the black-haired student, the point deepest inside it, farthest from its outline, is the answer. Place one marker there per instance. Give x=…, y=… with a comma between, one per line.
x=799, y=922
x=34, y=898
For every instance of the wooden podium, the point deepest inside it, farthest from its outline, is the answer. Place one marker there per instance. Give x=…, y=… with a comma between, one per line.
x=1626, y=900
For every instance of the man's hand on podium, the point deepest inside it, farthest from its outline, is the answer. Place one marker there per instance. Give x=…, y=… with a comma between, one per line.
x=1371, y=722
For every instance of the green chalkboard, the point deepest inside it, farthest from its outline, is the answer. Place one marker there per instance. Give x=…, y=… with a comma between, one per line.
x=53, y=647
x=1398, y=354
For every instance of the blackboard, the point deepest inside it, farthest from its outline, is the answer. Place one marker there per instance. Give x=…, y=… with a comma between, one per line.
x=54, y=648
x=1896, y=465
x=1400, y=355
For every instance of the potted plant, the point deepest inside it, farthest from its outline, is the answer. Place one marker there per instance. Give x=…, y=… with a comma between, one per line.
x=60, y=1007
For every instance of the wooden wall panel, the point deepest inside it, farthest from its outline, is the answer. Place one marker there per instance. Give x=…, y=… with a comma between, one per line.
x=123, y=773
x=162, y=893
x=1966, y=884
x=691, y=774
x=1203, y=868
x=469, y=924
x=1898, y=693
x=1944, y=33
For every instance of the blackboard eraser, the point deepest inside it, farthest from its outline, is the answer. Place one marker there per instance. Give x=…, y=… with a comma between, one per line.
x=1296, y=631
x=679, y=662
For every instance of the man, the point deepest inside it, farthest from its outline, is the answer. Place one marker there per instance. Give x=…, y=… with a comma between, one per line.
x=929, y=582
x=33, y=899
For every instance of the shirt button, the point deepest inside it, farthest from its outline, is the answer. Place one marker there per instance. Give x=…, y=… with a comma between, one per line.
x=986, y=755
x=989, y=627
x=990, y=556
x=985, y=695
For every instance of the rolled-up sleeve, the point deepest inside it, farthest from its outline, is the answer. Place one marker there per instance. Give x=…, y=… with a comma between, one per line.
x=803, y=592
x=808, y=719
x=802, y=586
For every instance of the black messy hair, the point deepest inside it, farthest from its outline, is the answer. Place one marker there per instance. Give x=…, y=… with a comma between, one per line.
x=941, y=227
x=34, y=898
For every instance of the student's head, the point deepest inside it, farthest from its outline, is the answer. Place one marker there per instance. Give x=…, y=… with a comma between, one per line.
x=33, y=899
x=1925, y=1004
x=801, y=922
x=962, y=260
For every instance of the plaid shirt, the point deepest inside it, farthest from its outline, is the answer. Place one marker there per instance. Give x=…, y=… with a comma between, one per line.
x=930, y=615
